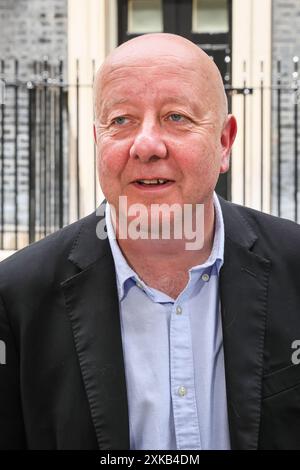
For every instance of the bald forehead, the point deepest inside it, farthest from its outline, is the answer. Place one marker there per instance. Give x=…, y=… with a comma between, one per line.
x=159, y=45
x=162, y=49
x=158, y=48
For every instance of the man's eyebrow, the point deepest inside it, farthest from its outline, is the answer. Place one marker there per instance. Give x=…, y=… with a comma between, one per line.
x=109, y=104
x=178, y=99
x=182, y=101
x=113, y=102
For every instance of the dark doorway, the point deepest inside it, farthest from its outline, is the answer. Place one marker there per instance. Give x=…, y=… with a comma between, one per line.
x=207, y=23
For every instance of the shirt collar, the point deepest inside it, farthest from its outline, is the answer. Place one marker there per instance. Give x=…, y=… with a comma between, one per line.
x=125, y=272
x=217, y=253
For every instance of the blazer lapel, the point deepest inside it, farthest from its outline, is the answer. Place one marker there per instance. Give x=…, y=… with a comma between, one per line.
x=243, y=288
x=92, y=304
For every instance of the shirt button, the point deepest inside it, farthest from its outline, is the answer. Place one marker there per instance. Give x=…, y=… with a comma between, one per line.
x=205, y=277
x=178, y=310
x=182, y=391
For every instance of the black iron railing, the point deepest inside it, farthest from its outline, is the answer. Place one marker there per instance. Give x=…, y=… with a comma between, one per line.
x=33, y=154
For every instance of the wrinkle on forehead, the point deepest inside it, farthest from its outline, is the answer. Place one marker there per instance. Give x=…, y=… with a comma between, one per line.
x=162, y=50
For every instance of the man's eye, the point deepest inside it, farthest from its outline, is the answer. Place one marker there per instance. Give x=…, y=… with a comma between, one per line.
x=119, y=120
x=176, y=117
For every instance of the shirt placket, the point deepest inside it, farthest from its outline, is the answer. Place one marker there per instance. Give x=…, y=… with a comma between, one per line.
x=182, y=379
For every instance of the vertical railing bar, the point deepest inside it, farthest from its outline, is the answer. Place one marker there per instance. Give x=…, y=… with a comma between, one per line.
x=244, y=134
x=32, y=168
x=40, y=154
x=48, y=142
x=2, y=161
x=16, y=181
x=279, y=138
x=55, y=149
x=45, y=146
x=95, y=160
x=77, y=140
x=56, y=155
x=61, y=147
x=34, y=149
x=262, y=136
x=30, y=184
x=36, y=157
x=51, y=196
x=51, y=151
x=66, y=123
x=296, y=59
x=227, y=80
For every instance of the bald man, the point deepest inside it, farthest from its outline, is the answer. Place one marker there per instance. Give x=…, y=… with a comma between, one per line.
x=123, y=332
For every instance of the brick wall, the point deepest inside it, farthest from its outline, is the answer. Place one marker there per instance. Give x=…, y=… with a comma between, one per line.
x=32, y=29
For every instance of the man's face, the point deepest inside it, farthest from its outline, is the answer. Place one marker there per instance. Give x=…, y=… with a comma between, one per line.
x=159, y=123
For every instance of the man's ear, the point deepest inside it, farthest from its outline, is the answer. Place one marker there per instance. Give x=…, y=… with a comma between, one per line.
x=95, y=134
x=227, y=138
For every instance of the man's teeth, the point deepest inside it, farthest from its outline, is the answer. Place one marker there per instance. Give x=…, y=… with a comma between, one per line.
x=155, y=181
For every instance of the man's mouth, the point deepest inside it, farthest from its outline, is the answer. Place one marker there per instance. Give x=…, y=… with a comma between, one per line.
x=152, y=182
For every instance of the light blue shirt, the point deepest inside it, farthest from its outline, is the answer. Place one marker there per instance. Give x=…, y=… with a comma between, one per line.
x=173, y=355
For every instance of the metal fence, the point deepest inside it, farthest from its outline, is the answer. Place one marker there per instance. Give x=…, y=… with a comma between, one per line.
x=34, y=147
x=33, y=154
x=286, y=102
x=284, y=158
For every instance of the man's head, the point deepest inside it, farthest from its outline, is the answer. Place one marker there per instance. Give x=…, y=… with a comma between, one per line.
x=161, y=114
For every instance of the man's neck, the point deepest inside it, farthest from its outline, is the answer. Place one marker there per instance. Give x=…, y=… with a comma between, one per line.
x=164, y=264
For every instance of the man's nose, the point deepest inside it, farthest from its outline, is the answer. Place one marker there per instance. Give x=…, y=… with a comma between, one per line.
x=148, y=143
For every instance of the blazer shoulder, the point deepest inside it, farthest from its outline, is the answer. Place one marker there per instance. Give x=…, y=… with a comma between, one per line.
x=43, y=257
x=265, y=223
x=275, y=236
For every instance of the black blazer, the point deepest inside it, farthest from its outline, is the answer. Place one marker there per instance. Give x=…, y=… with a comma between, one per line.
x=63, y=383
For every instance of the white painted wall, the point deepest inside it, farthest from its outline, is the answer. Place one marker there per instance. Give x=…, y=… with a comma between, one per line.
x=251, y=41
x=92, y=34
